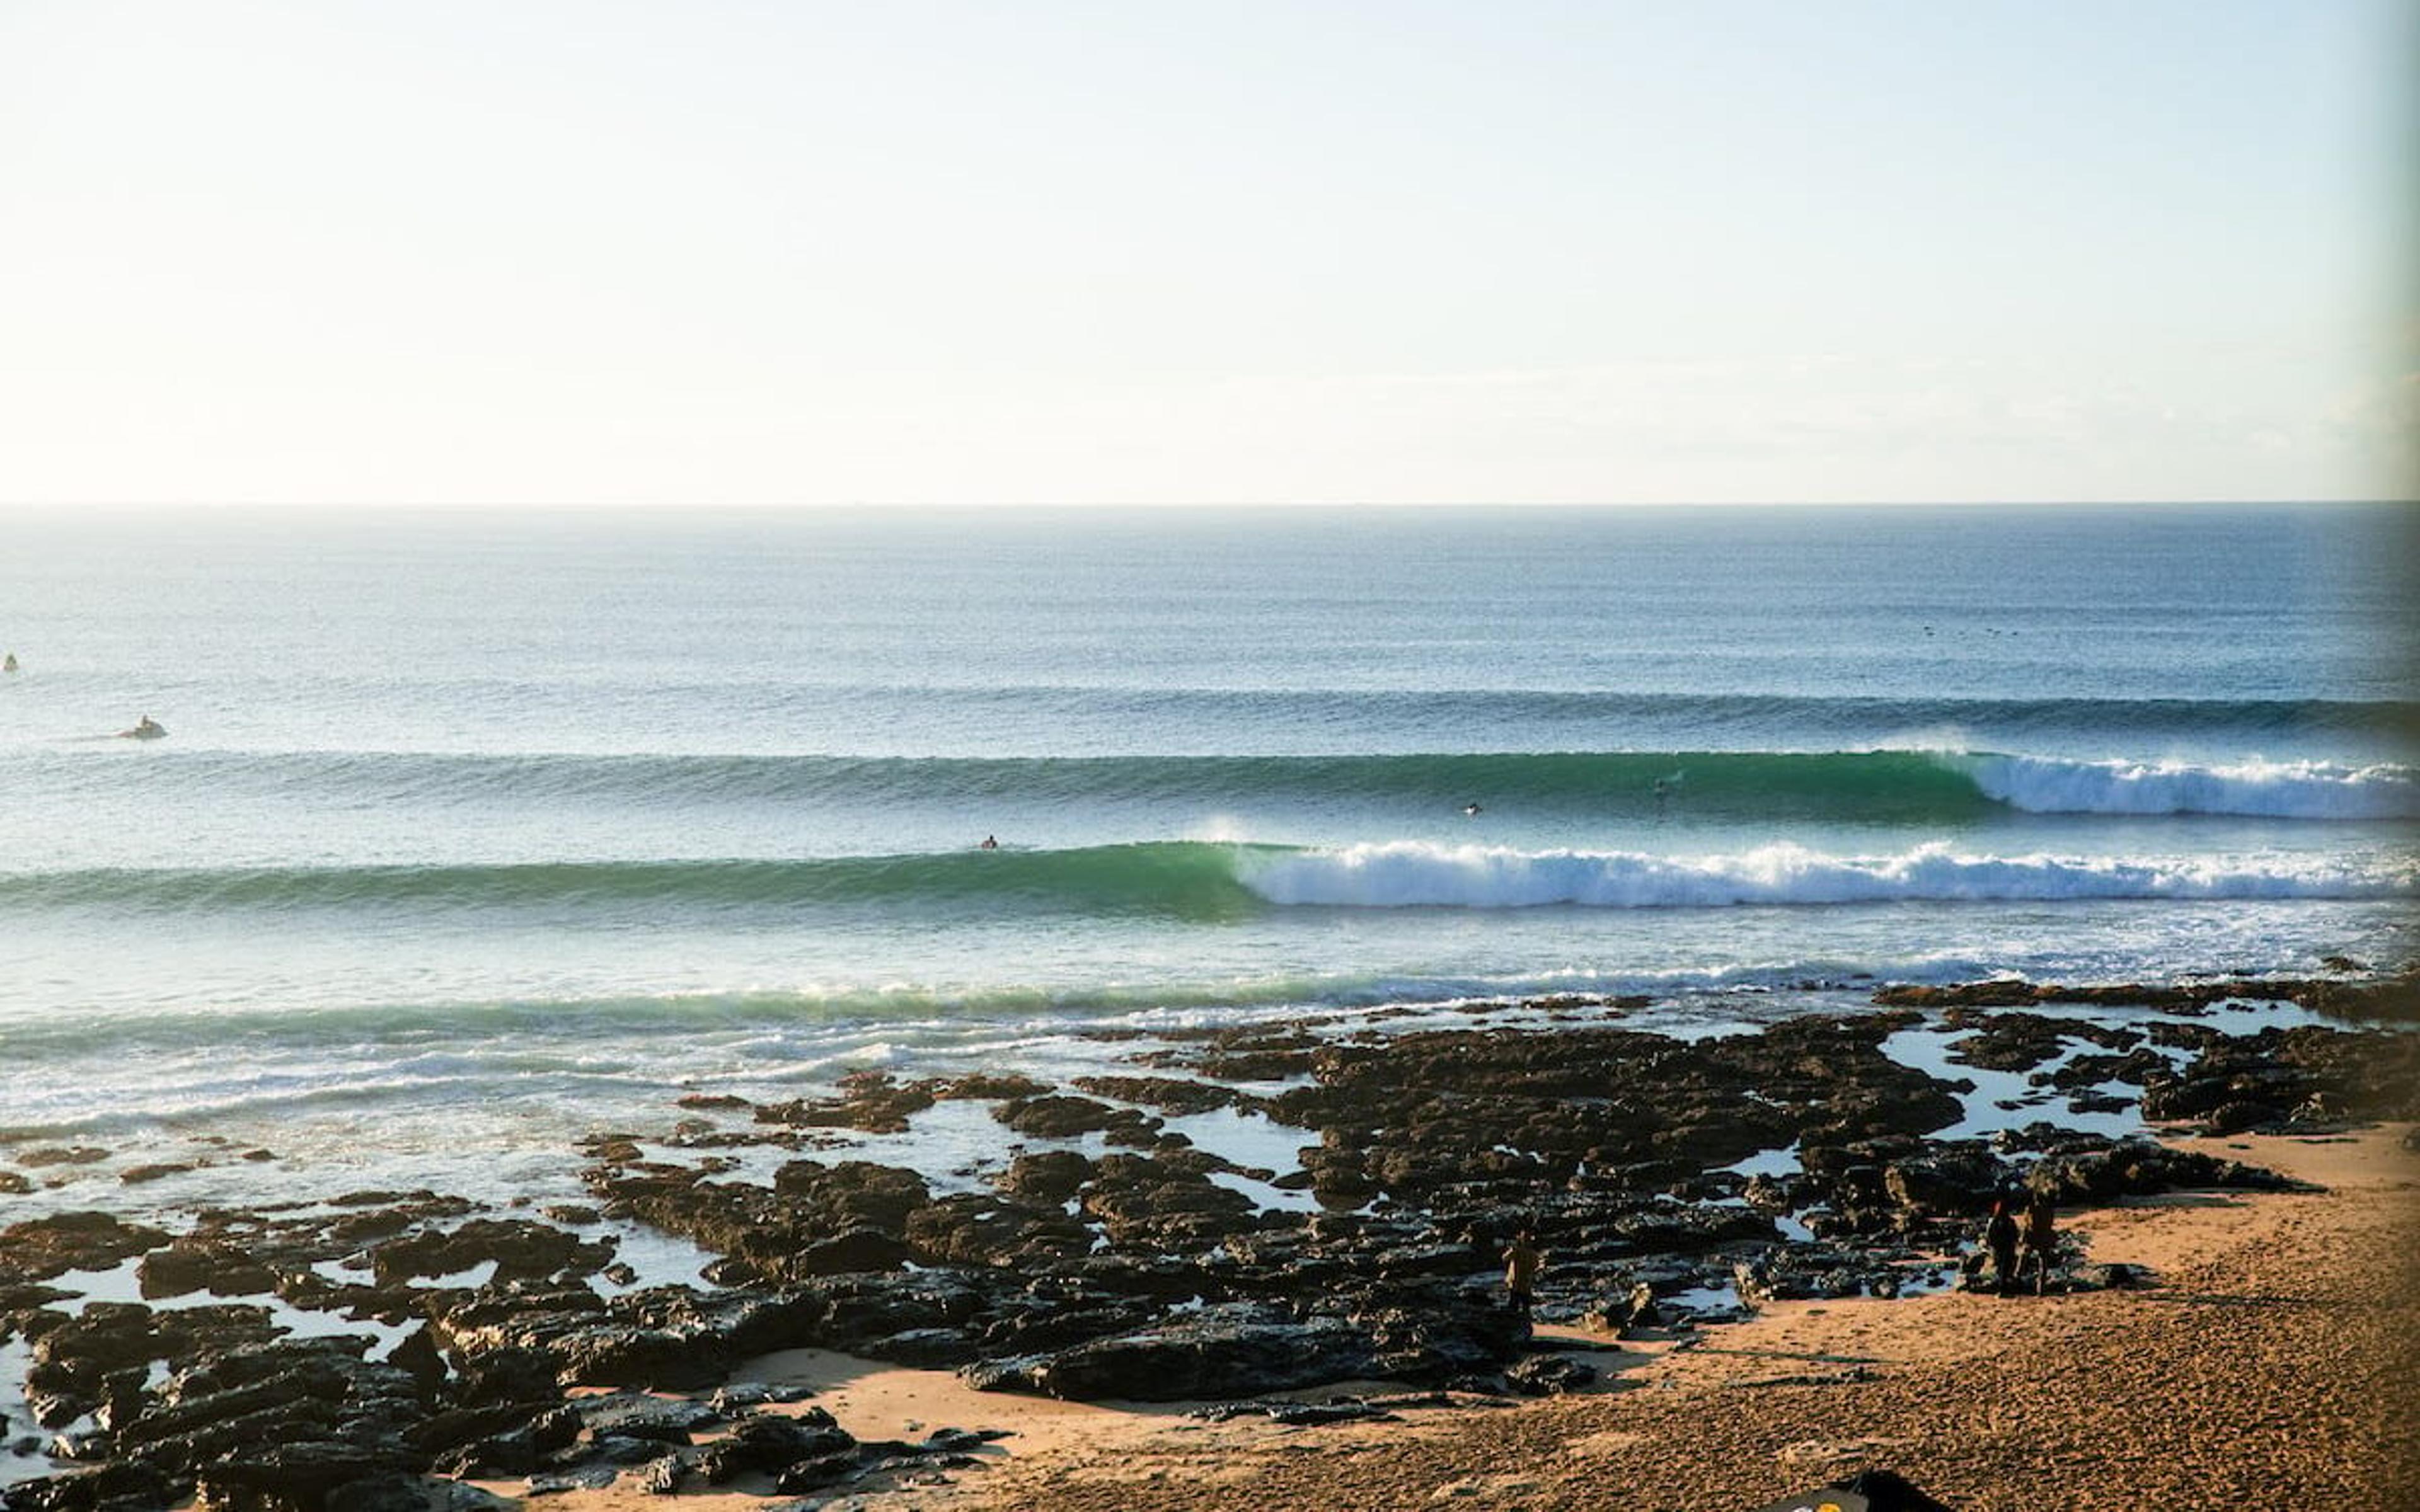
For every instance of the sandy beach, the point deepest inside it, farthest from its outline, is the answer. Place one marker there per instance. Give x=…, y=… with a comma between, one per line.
x=2270, y=1359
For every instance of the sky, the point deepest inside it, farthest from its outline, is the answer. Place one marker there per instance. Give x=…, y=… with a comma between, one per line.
x=339, y=252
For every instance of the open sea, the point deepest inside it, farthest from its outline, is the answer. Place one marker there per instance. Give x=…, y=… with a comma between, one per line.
x=477, y=830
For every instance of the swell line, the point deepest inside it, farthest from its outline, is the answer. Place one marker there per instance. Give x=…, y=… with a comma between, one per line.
x=1873, y=785
x=1210, y=881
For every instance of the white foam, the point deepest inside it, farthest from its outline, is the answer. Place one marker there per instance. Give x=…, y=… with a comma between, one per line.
x=1413, y=874
x=2279, y=790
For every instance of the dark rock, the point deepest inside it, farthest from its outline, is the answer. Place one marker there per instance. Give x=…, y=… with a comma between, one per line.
x=510, y=1375
x=1296, y=1414
x=2141, y=1167
x=1058, y=1116
x=520, y=1249
x=519, y=1451
x=2237, y=1117
x=298, y=1475
x=126, y=1486
x=988, y=1086
x=1234, y=1349
x=137, y=1175
x=1948, y=1180
x=40, y=1248
x=1548, y=1375
x=1170, y=1094
x=854, y=1249
x=190, y=1265
x=41, y=1155
x=740, y=1396
x=769, y=1445
x=416, y=1355
x=870, y=1100
x=1047, y=1177
x=633, y=1415
x=595, y=1478
x=813, y=1474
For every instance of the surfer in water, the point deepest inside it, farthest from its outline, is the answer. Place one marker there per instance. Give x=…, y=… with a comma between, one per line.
x=1470, y=810
x=11, y=664
x=991, y=842
x=145, y=728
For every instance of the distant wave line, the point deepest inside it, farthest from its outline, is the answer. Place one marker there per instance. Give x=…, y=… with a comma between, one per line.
x=1886, y=785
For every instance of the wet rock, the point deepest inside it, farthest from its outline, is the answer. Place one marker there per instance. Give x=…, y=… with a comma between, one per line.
x=855, y=1249
x=1635, y=1308
x=518, y=1451
x=41, y=1155
x=1409, y=1115
x=851, y=1194
x=1047, y=1177
x=633, y=1415
x=127, y=1485
x=521, y=1250
x=137, y=1175
x=1950, y=1181
x=416, y=1355
x=39, y=1249
x=2097, y=1175
x=1548, y=1375
x=1801, y=1275
x=988, y=1086
x=2241, y=1115
x=1170, y=1094
x=281, y=1424
x=770, y=1444
x=732, y=1400
x=871, y=1101
x=1235, y=1349
x=190, y=1265
x=1296, y=1414
x=1154, y=1204
x=968, y=1229
x=506, y=1374
x=1058, y=1116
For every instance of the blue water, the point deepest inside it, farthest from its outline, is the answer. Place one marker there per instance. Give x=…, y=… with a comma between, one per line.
x=473, y=829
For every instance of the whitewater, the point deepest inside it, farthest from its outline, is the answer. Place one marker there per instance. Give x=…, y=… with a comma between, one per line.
x=475, y=831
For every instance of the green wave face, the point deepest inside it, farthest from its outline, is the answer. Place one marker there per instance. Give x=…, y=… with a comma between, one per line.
x=1779, y=785
x=1183, y=880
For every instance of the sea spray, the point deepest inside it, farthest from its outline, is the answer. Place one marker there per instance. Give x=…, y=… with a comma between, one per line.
x=1404, y=875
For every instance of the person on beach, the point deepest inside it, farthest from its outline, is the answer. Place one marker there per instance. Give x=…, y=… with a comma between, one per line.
x=2000, y=1238
x=2040, y=1240
x=1522, y=1263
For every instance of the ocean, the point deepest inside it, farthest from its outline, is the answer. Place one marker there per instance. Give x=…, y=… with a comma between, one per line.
x=477, y=830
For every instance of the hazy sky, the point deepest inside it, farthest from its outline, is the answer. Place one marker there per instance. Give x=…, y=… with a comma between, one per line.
x=1234, y=251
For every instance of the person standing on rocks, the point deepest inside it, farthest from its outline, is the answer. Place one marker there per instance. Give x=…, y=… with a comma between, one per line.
x=1522, y=1263
x=2000, y=1238
x=2041, y=1240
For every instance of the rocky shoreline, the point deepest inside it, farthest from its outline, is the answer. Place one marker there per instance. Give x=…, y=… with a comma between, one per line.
x=382, y=1349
